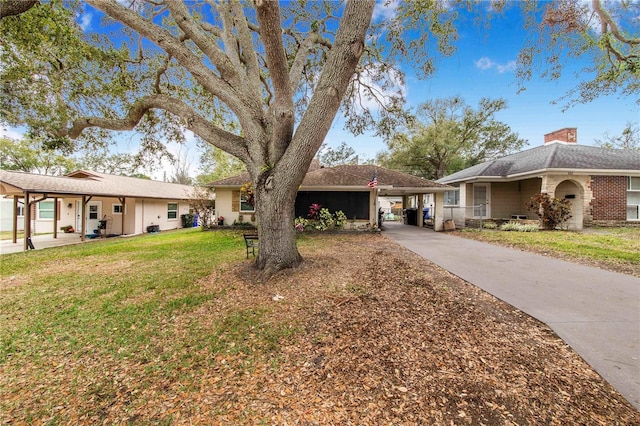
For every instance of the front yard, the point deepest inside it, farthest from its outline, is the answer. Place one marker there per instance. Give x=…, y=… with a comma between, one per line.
x=166, y=329
x=615, y=249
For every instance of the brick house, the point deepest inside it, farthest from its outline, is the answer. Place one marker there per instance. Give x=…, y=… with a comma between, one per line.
x=602, y=184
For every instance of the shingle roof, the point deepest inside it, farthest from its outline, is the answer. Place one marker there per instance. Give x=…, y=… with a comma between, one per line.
x=347, y=175
x=84, y=182
x=551, y=156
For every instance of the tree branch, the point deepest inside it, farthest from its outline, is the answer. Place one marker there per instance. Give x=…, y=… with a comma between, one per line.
x=281, y=111
x=195, y=32
x=295, y=73
x=233, y=144
x=247, y=52
x=170, y=44
x=339, y=67
x=15, y=7
x=611, y=24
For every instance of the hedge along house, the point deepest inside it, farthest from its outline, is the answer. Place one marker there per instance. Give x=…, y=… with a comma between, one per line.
x=348, y=188
x=602, y=184
x=82, y=199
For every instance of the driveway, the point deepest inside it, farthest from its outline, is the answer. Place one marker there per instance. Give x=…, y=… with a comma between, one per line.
x=596, y=312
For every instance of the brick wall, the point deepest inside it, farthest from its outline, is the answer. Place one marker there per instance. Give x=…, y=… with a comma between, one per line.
x=609, y=197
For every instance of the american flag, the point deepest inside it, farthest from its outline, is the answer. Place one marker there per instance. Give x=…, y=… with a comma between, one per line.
x=373, y=182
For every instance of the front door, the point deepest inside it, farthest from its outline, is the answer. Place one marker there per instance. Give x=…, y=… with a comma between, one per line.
x=482, y=200
x=93, y=214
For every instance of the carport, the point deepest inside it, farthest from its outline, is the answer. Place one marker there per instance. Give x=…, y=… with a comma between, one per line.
x=397, y=184
x=29, y=189
x=86, y=200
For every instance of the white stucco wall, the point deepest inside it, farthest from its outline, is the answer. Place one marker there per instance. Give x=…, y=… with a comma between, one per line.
x=6, y=215
x=139, y=213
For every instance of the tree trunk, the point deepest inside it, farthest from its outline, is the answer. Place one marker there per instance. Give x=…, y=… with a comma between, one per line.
x=275, y=210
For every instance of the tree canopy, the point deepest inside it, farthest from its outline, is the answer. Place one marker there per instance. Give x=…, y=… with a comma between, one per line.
x=216, y=164
x=343, y=154
x=628, y=139
x=448, y=136
x=604, y=33
x=28, y=156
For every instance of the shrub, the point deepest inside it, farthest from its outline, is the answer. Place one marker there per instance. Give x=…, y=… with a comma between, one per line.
x=320, y=219
x=552, y=212
x=489, y=225
x=300, y=223
x=515, y=226
x=314, y=211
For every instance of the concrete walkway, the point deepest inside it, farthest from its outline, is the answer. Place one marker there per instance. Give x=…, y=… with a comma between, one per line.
x=40, y=242
x=596, y=312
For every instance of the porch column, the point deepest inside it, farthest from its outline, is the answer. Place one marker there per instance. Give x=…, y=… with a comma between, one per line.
x=83, y=219
x=405, y=200
x=123, y=216
x=56, y=211
x=420, y=214
x=27, y=220
x=15, y=219
x=373, y=207
x=438, y=211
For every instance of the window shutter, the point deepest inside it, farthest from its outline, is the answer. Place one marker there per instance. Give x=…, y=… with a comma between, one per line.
x=235, y=201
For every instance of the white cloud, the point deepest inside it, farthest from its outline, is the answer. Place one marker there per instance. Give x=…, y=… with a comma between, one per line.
x=486, y=63
x=85, y=21
x=385, y=9
x=508, y=67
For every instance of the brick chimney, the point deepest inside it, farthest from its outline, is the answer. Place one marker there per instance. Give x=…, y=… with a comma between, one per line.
x=566, y=135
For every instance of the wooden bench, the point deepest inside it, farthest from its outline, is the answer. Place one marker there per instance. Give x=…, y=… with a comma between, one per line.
x=251, y=242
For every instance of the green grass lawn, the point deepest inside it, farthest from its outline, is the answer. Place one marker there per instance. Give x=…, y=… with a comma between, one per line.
x=122, y=299
x=614, y=246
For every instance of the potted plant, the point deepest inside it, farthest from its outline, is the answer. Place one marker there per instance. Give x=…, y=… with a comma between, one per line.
x=220, y=220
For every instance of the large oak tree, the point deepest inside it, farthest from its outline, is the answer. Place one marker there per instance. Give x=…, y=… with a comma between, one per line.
x=173, y=65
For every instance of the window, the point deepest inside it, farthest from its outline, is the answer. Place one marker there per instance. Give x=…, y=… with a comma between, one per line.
x=20, y=210
x=633, y=198
x=246, y=202
x=45, y=210
x=452, y=198
x=172, y=211
x=117, y=209
x=93, y=212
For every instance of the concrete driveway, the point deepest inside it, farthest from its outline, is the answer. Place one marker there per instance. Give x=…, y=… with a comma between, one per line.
x=596, y=312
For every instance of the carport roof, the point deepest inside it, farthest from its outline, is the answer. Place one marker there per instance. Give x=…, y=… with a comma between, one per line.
x=84, y=182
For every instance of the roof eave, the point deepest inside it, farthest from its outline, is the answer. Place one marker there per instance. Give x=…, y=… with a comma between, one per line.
x=539, y=172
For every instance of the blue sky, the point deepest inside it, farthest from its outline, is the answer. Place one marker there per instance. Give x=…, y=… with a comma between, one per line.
x=482, y=66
